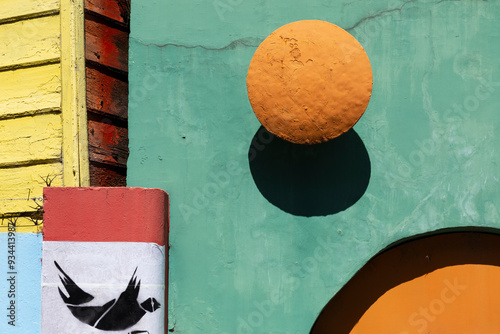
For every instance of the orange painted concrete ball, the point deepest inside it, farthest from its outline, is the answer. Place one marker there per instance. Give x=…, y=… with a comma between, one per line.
x=309, y=82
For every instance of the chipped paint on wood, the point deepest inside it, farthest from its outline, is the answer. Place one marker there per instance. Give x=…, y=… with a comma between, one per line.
x=106, y=45
x=20, y=185
x=28, y=181
x=110, y=176
x=29, y=41
x=23, y=225
x=75, y=144
x=30, y=100
x=30, y=139
x=30, y=91
x=106, y=95
x=108, y=143
x=107, y=27
x=117, y=10
x=12, y=9
x=43, y=125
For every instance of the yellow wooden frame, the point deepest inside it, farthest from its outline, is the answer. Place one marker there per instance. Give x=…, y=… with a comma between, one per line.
x=74, y=113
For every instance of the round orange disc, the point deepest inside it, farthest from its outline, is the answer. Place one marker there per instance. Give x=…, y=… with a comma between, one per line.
x=309, y=81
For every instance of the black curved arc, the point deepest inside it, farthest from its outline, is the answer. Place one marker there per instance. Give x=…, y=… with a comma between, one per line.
x=401, y=263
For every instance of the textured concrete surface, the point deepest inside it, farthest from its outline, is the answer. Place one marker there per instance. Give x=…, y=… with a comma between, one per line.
x=105, y=214
x=240, y=263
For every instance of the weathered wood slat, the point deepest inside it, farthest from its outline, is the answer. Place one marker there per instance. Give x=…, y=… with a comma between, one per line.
x=111, y=157
x=102, y=175
x=24, y=225
x=106, y=46
x=118, y=10
x=106, y=32
x=29, y=41
x=106, y=94
x=26, y=182
x=74, y=147
x=108, y=143
x=25, y=91
x=30, y=139
x=15, y=8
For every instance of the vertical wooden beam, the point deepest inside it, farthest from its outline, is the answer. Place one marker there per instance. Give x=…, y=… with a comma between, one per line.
x=74, y=113
x=107, y=28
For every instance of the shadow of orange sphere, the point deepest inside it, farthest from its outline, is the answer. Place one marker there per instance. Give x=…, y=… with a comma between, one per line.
x=309, y=82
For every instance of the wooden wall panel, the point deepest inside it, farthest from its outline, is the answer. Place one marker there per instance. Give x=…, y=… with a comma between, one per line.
x=117, y=10
x=106, y=94
x=24, y=224
x=75, y=143
x=30, y=108
x=26, y=183
x=41, y=62
x=106, y=45
x=106, y=32
x=12, y=9
x=30, y=140
x=111, y=176
x=30, y=41
x=108, y=143
x=27, y=91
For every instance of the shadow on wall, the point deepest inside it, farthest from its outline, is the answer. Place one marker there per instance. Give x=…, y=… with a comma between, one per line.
x=310, y=180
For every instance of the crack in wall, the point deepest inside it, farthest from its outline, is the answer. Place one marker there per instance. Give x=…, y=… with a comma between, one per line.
x=242, y=42
x=397, y=9
x=255, y=41
x=379, y=14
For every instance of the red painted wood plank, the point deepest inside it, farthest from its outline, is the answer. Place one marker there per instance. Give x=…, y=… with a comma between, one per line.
x=106, y=45
x=102, y=175
x=106, y=26
x=118, y=10
x=106, y=94
x=108, y=143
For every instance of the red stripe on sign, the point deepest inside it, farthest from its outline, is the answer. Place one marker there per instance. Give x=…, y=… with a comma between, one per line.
x=105, y=215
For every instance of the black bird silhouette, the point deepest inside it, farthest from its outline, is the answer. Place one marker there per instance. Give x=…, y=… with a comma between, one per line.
x=117, y=314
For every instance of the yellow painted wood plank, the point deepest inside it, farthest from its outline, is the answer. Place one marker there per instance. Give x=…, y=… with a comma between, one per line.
x=74, y=110
x=30, y=139
x=24, y=225
x=21, y=184
x=28, y=90
x=29, y=41
x=16, y=8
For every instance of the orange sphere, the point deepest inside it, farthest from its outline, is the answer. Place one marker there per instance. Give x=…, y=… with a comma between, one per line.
x=309, y=82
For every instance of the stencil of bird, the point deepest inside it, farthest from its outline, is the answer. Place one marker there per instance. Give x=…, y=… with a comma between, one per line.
x=117, y=314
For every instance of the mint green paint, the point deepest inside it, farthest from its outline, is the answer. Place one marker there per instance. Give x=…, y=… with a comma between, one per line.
x=241, y=265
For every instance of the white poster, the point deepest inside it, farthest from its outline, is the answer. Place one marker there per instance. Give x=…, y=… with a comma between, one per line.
x=103, y=287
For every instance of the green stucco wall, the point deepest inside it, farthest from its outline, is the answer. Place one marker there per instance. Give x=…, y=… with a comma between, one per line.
x=239, y=264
